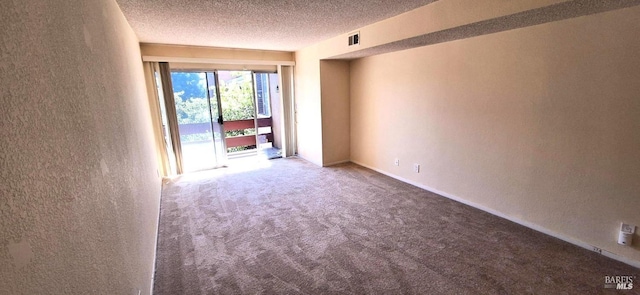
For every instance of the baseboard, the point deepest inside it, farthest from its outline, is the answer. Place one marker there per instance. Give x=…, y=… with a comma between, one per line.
x=155, y=246
x=336, y=163
x=530, y=225
x=308, y=160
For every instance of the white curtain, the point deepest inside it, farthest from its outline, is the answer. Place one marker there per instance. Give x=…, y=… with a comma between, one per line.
x=288, y=111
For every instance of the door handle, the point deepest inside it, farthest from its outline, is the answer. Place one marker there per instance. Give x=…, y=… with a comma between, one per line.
x=220, y=121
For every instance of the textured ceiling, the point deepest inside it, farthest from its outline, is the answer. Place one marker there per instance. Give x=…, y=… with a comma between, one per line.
x=533, y=17
x=286, y=25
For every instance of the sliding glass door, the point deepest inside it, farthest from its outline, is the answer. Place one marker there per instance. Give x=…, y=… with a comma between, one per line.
x=216, y=119
x=238, y=111
x=209, y=116
x=266, y=89
x=245, y=99
x=199, y=120
x=220, y=114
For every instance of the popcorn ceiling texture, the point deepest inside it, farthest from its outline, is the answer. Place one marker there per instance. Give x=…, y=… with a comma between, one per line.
x=538, y=16
x=79, y=194
x=256, y=24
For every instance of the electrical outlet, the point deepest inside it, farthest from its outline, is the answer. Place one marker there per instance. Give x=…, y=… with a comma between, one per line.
x=627, y=228
x=625, y=237
x=396, y=162
x=416, y=168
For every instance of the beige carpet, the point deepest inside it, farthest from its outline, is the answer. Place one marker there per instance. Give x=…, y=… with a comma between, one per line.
x=290, y=227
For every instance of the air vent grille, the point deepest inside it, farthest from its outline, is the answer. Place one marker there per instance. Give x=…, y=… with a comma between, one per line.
x=354, y=38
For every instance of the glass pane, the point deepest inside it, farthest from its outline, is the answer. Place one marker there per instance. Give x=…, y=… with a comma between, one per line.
x=218, y=135
x=194, y=120
x=263, y=95
x=236, y=96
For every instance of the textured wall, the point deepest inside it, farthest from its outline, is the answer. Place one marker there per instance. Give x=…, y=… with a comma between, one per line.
x=540, y=123
x=79, y=191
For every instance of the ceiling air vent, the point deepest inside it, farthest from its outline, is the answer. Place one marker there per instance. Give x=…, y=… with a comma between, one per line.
x=354, y=38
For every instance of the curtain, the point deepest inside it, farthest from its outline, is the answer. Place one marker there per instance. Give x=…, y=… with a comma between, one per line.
x=288, y=110
x=156, y=118
x=170, y=108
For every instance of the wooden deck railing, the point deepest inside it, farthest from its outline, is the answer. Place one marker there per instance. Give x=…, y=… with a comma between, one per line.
x=245, y=140
x=233, y=141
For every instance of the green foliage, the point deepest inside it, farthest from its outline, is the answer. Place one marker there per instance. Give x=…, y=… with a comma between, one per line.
x=237, y=97
x=192, y=105
x=194, y=110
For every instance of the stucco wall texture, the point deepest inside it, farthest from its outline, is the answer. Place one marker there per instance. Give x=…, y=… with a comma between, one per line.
x=79, y=193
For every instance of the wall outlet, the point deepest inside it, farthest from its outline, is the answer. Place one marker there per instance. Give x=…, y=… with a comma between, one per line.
x=416, y=168
x=625, y=237
x=396, y=162
x=627, y=228
x=597, y=250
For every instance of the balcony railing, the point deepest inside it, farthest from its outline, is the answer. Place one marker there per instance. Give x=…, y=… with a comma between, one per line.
x=233, y=141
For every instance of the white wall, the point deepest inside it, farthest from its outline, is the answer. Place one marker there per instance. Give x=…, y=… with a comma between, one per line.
x=322, y=125
x=79, y=194
x=308, y=105
x=539, y=124
x=432, y=18
x=276, y=109
x=334, y=81
x=212, y=55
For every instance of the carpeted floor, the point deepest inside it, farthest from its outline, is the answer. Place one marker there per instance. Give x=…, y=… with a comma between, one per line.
x=290, y=227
